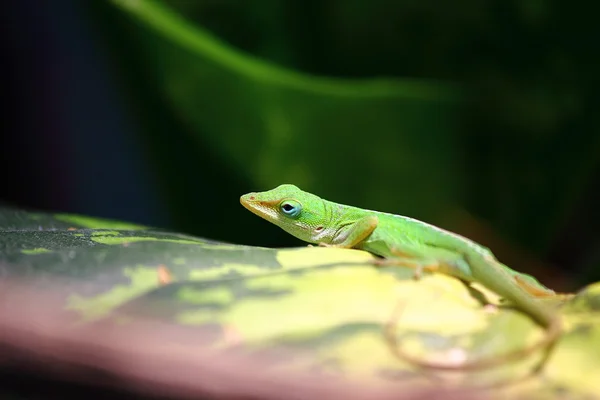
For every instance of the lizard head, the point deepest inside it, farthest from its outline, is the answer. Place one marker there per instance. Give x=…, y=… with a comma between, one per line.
x=297, y=212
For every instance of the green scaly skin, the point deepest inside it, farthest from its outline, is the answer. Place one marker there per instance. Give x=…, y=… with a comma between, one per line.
x=411, y=243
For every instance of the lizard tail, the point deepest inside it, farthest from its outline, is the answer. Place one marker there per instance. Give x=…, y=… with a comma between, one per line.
x=547, y=343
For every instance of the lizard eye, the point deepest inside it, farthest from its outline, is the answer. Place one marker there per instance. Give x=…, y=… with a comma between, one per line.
x=290, y=208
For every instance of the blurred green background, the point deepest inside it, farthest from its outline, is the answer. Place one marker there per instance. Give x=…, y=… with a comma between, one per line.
x=479, y=116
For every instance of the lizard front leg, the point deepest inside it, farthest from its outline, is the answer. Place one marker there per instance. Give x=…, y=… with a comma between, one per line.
x=351, y=235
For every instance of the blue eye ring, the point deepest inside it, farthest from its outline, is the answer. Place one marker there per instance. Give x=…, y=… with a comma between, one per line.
x=290, y=208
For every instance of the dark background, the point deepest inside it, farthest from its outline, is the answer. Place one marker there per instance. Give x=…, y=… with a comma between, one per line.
x=479, y=116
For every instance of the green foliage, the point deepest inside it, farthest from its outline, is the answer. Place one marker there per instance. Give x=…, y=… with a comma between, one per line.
x=329, y=304
x=275, y=125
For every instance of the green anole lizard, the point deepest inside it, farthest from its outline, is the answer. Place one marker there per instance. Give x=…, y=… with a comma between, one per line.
x=412, y=243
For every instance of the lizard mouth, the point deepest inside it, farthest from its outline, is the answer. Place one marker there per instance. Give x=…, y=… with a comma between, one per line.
x=263, y=209
x=247, y=201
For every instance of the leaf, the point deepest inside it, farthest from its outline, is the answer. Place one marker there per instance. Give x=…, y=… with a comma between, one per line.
x=278, y=125
x=329, y=305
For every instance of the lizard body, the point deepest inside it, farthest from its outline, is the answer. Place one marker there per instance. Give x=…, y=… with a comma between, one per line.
x=409, y=242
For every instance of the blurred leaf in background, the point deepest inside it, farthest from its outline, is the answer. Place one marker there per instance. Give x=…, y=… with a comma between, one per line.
x=274, y=125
